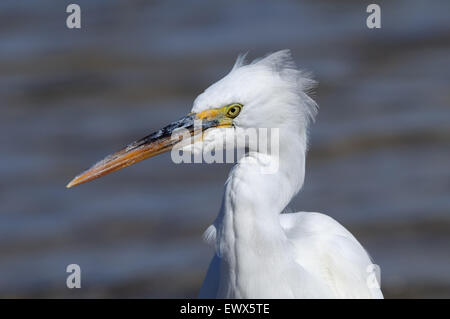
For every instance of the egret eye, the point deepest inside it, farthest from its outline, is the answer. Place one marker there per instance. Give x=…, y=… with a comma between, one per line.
x=234, y=110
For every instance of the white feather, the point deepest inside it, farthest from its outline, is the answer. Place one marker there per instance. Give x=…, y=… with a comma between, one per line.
x=261, y=253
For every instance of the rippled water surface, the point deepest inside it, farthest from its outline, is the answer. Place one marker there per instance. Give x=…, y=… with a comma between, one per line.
x=378, y=162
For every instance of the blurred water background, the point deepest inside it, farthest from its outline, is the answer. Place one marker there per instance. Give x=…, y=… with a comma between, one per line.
x=378, y=162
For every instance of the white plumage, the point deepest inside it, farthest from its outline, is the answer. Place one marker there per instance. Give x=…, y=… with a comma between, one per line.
x=260, y=252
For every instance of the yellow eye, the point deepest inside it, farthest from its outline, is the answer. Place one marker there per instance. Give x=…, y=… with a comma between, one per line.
x=234, y=110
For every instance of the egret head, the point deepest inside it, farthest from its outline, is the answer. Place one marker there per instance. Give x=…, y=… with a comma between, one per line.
x=267, y=93
x=271, y=90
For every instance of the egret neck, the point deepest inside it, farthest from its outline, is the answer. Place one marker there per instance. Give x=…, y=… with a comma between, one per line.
x=250, y=239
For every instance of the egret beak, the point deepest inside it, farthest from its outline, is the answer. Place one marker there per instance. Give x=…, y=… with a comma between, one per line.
x=156, y=143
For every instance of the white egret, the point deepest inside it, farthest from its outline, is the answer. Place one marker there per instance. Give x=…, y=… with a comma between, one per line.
x=261, y=252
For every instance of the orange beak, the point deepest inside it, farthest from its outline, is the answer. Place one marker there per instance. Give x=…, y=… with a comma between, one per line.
x=159, y=142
